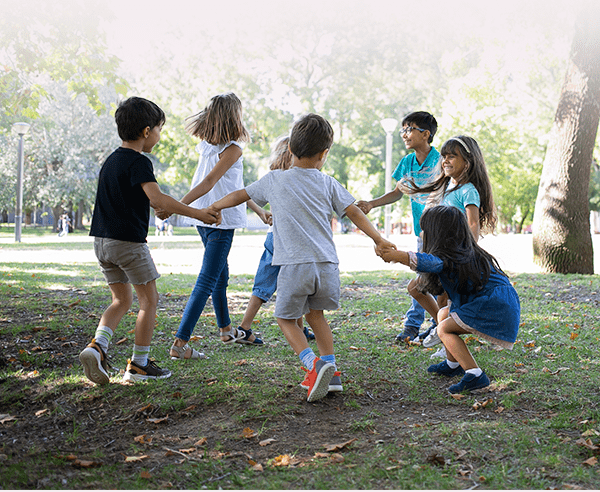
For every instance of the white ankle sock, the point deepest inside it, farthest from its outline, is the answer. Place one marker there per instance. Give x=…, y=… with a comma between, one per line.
x=475, y=371
x=103, y=337
x=452, y=365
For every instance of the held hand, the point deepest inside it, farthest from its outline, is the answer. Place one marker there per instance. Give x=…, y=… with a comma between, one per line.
x=162, y=214
x=384, y=247
x=388, y=255
x=209, y=216
x=364, y=206
x=266, y=217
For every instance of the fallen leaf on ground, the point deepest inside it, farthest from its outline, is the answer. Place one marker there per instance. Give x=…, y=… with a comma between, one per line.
x=145, y=474
x=458, y=396
x=157, y=420
x=187, y=450
x=142, y=439
x=336, y=458
x=122, y=341
x=336, y=447
x=241, y=362
x=39, y=413
x=86, y=464
x=266, y=442
x=593, y=461
x=6, y=418
x=258, y=467
x=573, y=336
x=248, y=433
x=201, y=442
x=282, y=460
x=587, y=443
x=132, y=459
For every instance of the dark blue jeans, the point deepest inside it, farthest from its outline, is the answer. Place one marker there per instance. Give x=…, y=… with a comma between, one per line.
x=212, y=281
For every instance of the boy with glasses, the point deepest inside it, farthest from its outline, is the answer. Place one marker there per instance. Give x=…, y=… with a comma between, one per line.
x=418, y=130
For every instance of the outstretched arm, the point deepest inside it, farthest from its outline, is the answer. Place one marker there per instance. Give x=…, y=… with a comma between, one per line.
x=167, y=205
x=227, y=158
x=393, y=196
x=234, y=199
x=361, y=221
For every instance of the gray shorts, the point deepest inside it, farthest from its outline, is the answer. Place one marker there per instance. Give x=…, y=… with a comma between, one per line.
x=307, y=286
x=123, y=262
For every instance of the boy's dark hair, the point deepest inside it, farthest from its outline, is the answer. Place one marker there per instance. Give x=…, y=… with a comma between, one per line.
x=134, y=114
x=423, y=120
x=310, y=135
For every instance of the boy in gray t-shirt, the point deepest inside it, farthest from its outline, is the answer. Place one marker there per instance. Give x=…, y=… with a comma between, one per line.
x=301, y=201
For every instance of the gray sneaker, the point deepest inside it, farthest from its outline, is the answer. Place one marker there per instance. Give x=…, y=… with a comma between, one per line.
x=432, y=339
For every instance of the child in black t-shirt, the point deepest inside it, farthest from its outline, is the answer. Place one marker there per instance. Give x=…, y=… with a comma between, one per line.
x=126, y=189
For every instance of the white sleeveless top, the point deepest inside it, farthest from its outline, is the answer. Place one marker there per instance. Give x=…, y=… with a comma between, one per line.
x=232, y=180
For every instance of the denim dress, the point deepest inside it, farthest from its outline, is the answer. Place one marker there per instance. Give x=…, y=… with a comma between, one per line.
x=492, y=313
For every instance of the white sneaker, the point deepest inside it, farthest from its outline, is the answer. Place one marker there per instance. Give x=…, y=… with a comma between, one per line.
x=432, y=339
x=440, y=353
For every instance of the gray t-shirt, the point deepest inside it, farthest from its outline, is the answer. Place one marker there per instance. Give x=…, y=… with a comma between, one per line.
x=301, y=202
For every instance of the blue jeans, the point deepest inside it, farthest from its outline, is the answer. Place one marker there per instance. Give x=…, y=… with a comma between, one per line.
x=265, y=280
x=212, y=281
x=416, y=313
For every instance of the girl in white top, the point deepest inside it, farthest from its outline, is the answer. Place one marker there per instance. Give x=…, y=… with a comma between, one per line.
x=219, y=172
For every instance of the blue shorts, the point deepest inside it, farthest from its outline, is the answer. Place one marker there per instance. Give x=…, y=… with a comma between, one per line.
x=265, y=280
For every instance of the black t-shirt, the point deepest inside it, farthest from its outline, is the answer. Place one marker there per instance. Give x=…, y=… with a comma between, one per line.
x=122, y=209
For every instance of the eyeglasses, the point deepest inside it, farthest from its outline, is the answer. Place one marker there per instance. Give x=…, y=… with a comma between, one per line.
x=409, y=129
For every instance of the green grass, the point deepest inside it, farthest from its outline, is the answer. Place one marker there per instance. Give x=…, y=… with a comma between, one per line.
x=409, y=433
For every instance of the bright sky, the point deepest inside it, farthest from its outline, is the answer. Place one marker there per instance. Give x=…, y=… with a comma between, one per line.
x=162, y=22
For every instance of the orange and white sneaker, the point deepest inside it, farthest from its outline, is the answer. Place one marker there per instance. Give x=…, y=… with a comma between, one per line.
x=135, y=372
x=317, y=380
x=335, y=385
x=94, y=362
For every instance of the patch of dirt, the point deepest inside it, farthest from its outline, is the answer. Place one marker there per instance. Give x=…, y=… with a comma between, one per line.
x=71, y=422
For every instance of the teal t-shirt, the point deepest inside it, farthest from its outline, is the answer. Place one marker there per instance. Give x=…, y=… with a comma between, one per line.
x=421, y=174
x=460, y=197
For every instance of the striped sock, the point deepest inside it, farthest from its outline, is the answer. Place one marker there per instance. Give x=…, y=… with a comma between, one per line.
x=140, y=355
x=329, y=358
x=103, y=337
x=307, y=357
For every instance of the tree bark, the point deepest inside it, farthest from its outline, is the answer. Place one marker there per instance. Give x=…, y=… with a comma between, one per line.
x=562, y=241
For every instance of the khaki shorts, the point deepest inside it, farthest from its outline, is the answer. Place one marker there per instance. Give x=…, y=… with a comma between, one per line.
x=123, y=262
x=307, y=286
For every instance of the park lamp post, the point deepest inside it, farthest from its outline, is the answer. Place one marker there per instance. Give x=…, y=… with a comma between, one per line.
x=389, y=125
x=21, y=129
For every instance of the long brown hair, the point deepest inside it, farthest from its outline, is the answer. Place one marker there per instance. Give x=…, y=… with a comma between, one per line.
x=281, y=157
x=220, y=121
x=475, y=172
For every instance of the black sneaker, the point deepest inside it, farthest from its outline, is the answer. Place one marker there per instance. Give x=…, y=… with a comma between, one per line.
x=135, y=372
x=308, y=334
x=409, y=334
x=94, y=362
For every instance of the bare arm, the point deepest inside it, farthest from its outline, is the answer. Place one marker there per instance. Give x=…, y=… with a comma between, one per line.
x=393, y=196
x=361, y=221
x=168, y=204
x=473, y=220
x=265, y=216
x=227, y=158
x=234, y=199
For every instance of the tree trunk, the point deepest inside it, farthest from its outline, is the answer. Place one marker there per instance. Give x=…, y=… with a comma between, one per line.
x=562, y=242
x=57, y=212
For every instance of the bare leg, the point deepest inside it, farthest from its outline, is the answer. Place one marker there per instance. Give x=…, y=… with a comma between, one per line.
x=122, y=298
x=252, y=309
x=322, y=331
x=456, y=349
x=293, y=334
x=144, y=325
x=426, y=300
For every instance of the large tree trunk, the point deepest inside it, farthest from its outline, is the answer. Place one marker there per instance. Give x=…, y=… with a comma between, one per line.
x=562, y=242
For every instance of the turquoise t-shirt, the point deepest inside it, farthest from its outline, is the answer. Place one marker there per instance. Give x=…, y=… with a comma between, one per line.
x=467, y=194
x=421, y=174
